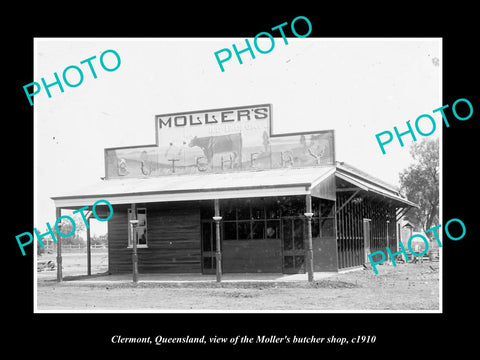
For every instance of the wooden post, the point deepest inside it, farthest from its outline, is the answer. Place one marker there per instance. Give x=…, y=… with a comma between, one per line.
x=399, y=236
x=133, y=224
x=388, y=221
x=308, y=214
x=218, y=254
x=89, y=252
x=58, y=213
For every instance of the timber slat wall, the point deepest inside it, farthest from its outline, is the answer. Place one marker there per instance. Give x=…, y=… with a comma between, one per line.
x=350, y=237
x=173, y=236
x=252, y=256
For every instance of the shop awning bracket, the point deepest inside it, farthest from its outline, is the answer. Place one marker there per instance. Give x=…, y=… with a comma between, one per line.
x=348, y=200
x=403, y=212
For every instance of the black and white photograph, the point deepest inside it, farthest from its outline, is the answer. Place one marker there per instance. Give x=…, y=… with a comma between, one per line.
x=274, y=187
x=243, y=198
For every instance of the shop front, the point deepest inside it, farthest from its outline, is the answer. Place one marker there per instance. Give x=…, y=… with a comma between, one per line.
x=218, y=193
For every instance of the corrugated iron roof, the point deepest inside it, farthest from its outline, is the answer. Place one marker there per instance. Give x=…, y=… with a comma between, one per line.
x=367, y=182
x=352, y=170
x=284, y=181
x=275, y=182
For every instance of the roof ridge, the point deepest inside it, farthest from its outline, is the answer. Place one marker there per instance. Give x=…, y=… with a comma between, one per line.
x=367, y=176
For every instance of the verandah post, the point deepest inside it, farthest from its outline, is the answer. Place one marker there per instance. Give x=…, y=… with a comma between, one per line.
x=133, y=223
x=89, y=244
x=218, y=254
x=309, y=214
x=58, y=213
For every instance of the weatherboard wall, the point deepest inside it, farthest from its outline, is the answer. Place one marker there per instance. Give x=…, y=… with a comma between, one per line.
x=173, y=238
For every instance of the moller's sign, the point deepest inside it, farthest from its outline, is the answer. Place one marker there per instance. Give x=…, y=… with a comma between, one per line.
x=219, y=140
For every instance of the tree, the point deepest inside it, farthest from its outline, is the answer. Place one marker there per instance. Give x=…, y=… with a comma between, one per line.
x=420, y=183
x=100, y=240
x=67, y=228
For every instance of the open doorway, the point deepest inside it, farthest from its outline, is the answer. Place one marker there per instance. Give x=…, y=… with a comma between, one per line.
x=366, y=239
x=293, y=234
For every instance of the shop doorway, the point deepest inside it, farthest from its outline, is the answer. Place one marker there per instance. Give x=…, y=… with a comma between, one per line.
x=293, y=235
x=209, y=247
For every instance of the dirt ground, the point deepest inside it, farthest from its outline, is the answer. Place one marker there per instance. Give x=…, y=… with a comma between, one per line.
x=404, y=287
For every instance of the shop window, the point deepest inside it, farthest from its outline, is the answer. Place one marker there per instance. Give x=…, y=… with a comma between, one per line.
x=288, y=262
x=293, y=206
x=298, y=235
x=140, y=234
x=258, y=210
x=230, y=230
x=315, y=227
x=272, y=209
x=327, y=208
x=327, y=227
x=228, y=211
x=244, y=230
x=316, y=207
x=287, y=237
x=250, y=219
x=243, y=211
x=273, y=229
x=258, y=230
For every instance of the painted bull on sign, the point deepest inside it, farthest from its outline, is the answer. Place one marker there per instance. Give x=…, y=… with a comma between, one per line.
x=212, y=145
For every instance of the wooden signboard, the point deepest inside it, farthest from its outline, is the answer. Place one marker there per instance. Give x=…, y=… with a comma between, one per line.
x=219, y=140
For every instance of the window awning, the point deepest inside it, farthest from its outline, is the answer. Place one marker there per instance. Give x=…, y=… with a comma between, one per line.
x=277, y=182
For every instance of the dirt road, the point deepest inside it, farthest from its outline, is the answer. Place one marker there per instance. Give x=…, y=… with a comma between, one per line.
x=405, y=287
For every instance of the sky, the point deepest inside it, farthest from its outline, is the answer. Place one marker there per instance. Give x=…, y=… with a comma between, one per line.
x=357, y=87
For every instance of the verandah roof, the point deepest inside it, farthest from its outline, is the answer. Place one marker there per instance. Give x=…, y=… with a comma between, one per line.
x=277, y=182
x=366, y=182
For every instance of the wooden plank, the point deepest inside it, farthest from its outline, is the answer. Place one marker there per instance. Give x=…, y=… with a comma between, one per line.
x=354, y=228
x=347, y=235
x=347, y=189
x=342, y=221
x=354, y=234
x=350, y=230
x=336, y=260
x=339, y=234
x=359, y=235
x=173, y=240
x=373, y=227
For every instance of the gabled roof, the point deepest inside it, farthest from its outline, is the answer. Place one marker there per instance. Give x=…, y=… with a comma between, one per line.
x=367, y=182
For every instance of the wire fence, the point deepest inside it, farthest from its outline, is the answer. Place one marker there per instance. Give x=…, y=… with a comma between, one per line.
x=52, y=247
